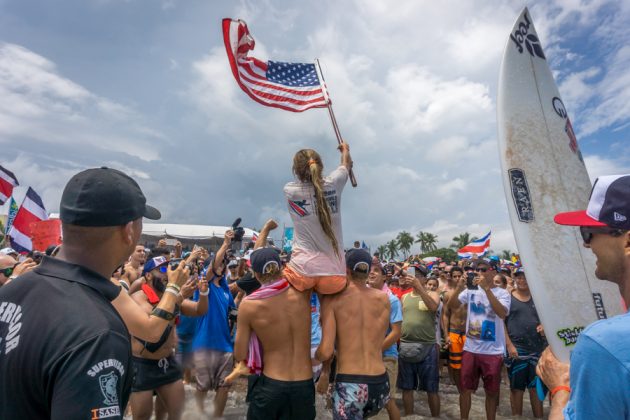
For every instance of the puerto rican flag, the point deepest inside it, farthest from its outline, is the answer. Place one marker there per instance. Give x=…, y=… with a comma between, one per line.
x=475, y=248
x=7, y=182
x=32, y=210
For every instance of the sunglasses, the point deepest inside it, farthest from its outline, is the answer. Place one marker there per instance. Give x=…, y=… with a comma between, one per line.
x=482, y=269
x=164, y=269
x=587, y=232
x=7, y=271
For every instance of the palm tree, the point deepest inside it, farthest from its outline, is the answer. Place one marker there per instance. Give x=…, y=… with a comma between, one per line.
x=392, y=248
x=427, y=241
x=462, y=240
x=506, y=254
x=405, y=240
x=382, y=251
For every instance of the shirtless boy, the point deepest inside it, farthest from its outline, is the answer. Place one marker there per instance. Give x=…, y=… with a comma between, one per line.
x=357, y=320
x=280, y=317
x=455, y=323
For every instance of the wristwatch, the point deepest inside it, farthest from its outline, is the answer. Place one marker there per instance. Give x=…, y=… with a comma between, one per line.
x=161, y=313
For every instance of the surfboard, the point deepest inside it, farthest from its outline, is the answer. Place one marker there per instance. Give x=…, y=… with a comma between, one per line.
x=543, y=174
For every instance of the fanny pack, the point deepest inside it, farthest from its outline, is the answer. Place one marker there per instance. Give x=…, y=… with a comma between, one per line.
x=414, y=352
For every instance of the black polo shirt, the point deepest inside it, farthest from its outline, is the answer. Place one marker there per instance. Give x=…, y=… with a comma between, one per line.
x=64, y=350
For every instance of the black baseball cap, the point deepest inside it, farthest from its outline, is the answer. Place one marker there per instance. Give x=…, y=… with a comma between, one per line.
x=103, y=197
x=609, y=205
x=262, y=258
x=356, y=257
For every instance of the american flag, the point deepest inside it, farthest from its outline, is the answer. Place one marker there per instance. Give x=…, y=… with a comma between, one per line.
x=291, y=86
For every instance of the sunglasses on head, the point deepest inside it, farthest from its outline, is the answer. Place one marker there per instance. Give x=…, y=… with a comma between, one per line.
x=7, y=271
x=587, y=232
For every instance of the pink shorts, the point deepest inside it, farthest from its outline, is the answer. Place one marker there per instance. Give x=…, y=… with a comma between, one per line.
x=486, y=366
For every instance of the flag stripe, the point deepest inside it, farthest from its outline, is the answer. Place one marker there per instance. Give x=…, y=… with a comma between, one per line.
x=477, y=247
x=8, y=176
x=32, y=210
x=251, y=74
x=269, y=86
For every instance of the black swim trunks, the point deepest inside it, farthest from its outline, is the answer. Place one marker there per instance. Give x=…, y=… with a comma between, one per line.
x=152, y=374
x=359, y=396
x=274, y=399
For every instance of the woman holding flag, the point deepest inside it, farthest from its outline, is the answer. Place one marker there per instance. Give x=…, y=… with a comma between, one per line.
x=314, y=203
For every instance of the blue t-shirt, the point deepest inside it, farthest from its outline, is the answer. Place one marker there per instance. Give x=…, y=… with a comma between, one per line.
x=395, y=315
x=213, y=332
x=316, y=328
x=600, y=371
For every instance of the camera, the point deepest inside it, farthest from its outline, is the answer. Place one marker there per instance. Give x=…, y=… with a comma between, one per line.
x=239, y=232
x=470, y=281
x=174, y=263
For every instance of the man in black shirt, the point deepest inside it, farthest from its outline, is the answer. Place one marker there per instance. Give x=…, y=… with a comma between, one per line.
x=525, y=342
x=64, y=350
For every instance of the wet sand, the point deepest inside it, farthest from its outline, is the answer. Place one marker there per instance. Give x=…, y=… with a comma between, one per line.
x=236, y=407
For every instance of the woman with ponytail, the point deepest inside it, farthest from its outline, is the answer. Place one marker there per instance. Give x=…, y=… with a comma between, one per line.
x=317, y=260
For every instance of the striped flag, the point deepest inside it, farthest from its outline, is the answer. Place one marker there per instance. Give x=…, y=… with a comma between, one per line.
x=31, y=210
x=7, y=182
x=476, y=248
x=291, y=86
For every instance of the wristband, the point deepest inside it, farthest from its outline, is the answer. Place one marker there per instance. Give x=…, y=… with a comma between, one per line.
x=174, y=286
x=206, y=293
x=161, y=313
x=560, y=388
x=124, y=284
x=172, y=291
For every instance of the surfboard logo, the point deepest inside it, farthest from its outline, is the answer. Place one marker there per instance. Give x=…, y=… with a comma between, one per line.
x=599, y=305
x=520, y=195
x=570, y=335
x=558, y=106
x=522, y=36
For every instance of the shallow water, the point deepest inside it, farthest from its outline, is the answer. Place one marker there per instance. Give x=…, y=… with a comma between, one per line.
x=236, y=407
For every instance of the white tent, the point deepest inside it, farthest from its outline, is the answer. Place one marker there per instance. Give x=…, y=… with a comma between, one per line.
x=189, y=231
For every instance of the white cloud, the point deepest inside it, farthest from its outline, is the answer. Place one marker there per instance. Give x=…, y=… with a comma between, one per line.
x=38, y=105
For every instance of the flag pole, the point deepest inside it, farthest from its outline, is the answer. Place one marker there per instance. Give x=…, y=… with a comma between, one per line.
x=333, y=120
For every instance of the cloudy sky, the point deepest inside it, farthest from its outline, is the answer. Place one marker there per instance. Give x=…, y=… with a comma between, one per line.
x=144, y=86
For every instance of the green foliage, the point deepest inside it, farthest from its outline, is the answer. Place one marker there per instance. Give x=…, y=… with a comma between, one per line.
x=427, y=241
x=404, y=240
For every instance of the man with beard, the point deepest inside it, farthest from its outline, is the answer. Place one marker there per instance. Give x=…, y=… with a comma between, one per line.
x=155, y=366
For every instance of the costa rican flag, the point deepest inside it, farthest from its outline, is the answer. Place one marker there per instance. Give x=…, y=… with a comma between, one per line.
x=31, y=210
x=7, y=182
x=476, y=248
x=290, y=86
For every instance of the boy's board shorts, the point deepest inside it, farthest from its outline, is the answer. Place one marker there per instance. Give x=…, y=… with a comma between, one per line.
x=456, y=348
x=359, y=396
x=274, y=399
x=324, y=285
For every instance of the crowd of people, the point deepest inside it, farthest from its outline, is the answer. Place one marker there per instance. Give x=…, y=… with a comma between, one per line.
x=102, y=326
